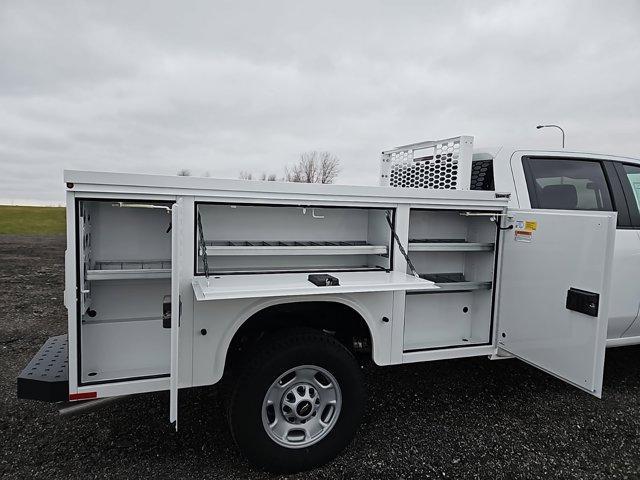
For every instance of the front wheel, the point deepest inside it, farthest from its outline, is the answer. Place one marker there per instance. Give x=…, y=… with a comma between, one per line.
x=298, y=401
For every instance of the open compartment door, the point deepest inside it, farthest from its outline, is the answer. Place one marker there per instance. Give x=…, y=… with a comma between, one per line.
x=175, y=310
x=554, y=290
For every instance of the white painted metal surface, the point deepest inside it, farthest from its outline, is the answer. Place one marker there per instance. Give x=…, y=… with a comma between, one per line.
x=561, y=250
x=288, y=284
x=119, y=185
x=199, y=359
x=624, y=307
x=175, y=311
x=223, y=318
x=625, y=287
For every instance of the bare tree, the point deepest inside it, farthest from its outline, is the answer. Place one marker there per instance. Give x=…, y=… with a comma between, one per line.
x=314, y=167
x=184, y=172
x=271, y=177
x=264, y=177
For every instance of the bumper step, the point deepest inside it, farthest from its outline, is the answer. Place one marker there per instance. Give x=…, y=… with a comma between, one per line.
x=46, y=377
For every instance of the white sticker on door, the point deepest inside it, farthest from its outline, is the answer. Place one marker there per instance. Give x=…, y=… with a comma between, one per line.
x=523, y=236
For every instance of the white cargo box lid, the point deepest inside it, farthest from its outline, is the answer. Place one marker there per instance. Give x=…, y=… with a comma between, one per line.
x=285, y=284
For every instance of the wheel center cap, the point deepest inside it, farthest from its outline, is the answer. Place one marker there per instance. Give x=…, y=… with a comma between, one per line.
x=304, y=408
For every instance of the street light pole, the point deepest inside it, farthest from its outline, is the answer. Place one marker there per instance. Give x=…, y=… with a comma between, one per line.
x=554, y=126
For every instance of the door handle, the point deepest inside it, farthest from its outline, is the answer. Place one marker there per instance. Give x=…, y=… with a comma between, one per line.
x=583, y=301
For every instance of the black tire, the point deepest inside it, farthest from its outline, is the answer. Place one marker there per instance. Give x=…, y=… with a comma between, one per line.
x=270, y=359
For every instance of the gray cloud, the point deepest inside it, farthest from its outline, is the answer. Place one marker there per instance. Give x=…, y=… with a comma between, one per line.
x=229, y=86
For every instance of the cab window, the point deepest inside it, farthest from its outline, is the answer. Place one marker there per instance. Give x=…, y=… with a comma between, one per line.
x=565, y=184
x=632, y=174
x=630, y=178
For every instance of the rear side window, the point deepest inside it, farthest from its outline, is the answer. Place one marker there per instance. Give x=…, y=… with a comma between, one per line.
x=632, y=174
x=564, y=184
x=482, y=175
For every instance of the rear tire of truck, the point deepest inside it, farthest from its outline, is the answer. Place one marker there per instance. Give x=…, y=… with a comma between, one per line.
x=297, y=402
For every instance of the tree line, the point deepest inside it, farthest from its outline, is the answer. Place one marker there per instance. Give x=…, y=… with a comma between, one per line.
x=311, y=167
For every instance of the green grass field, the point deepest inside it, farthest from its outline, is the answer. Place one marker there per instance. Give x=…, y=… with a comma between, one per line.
x=32, y=220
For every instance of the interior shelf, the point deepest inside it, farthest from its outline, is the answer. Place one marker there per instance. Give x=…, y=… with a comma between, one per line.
x=455, y=282
x=91, y=321
x=129, y=270
x=310, y=269
x=448, y=245
x=254, y=248
x=446, y=342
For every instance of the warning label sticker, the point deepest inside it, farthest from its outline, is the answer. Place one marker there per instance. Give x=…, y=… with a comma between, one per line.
x=531, y=225
x=523, y=236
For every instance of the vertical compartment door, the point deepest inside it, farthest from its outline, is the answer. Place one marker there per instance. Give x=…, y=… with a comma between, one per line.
x=554, y=290
x=176, y=218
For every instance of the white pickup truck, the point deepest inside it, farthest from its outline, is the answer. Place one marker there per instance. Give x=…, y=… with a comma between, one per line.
x=281, y=288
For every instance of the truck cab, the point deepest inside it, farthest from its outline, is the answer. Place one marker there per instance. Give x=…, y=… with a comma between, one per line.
x=579, y=181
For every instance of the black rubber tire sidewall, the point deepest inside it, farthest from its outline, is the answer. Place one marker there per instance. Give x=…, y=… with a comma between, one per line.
x=273, y=358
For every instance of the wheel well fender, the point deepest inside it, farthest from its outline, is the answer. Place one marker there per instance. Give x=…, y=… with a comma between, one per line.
x=272, y=314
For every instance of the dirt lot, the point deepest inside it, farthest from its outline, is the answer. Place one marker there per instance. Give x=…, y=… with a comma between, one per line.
x=454, y=419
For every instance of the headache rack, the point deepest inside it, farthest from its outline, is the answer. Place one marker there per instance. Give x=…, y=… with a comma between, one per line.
x=435, y=164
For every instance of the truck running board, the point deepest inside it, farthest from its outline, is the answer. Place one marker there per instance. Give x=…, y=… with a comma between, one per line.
x=46, y=377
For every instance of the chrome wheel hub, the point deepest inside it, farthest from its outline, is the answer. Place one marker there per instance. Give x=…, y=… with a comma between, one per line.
x=300, y=403
x=301, y=406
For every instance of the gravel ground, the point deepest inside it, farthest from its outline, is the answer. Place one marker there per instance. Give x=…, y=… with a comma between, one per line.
x=467, y=418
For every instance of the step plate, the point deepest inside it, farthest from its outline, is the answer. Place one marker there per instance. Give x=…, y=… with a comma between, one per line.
x=46, y=377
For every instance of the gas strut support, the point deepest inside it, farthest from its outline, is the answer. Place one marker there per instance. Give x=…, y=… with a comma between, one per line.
x=400, y=247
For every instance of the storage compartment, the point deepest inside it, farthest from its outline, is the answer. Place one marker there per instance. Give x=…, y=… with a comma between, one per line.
x=456, y=250
x=125, y=271
x=438, y=320
x=280, y=238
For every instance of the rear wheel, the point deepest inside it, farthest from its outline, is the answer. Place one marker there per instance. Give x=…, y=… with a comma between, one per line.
x=298, y=401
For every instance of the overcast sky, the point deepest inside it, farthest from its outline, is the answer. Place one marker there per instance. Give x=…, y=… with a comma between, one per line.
x=221, y=87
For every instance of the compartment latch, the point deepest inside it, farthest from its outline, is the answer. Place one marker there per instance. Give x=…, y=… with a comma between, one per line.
x=166, y=311
x=583, y=301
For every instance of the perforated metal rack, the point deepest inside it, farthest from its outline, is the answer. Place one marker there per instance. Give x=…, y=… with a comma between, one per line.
x=439, y=164
x=282, y=247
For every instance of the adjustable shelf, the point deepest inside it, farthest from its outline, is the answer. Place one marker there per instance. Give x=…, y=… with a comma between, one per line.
x=305, y=268
x=129, y=270
x=92, y=321
x=448, y=245
x=455, y=282
x=256, y=248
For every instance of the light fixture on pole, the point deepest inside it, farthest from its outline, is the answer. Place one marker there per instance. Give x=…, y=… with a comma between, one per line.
x=554, y=126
